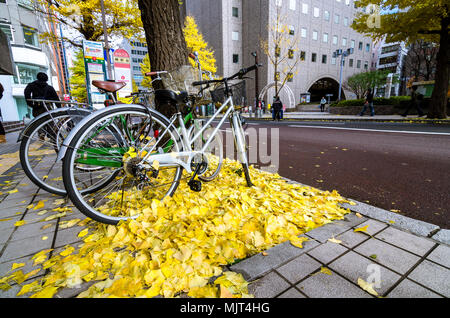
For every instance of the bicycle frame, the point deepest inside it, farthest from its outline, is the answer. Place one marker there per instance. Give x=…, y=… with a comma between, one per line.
x=171, y=159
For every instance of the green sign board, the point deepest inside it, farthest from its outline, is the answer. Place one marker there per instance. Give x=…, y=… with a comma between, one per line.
x=95, y=65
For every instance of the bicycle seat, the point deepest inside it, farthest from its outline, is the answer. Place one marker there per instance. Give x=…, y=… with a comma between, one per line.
x=165, y=94
x=111, y=87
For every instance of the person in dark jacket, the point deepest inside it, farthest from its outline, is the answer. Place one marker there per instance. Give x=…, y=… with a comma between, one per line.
x=2, y=130
x=368, y=103
x=277, y=108
x=415, y=103
x=39, y=89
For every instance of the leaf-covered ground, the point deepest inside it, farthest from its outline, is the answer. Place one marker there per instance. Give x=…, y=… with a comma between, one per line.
x=180, y=245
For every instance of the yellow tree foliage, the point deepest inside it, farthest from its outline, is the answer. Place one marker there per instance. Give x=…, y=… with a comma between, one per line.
x=84, y=17
x=196, y=43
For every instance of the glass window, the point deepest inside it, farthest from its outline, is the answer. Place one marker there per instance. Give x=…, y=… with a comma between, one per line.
x=291, y=30
x=235, y=36
x=358, y=64
x=292, y=4
x=316, y=12
x=324, y=59
x=26, y=3
x=366, y=65
x=344, y=41
x=2, y=1
x=30, y=36
x=27, y=73
x=304, y=32
x=325, y=37
x=347, y=2
x=367, y=47
x=314, y=57
x=352, y=45
x=346, y=21
x=315, y=35
x=335, y=39
x=304, y=8
x=291, y=53
x=279, y=2
x=333, y=60
x=302, y=55
x=350, y=63
x=336, y=18
x=7, y=29
x=235, y=58
x=235, y=12
x=326, y=15
x=290, y=77
x=360, y=46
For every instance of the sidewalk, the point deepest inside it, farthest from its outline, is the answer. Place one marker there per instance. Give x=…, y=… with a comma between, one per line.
x=406, y=257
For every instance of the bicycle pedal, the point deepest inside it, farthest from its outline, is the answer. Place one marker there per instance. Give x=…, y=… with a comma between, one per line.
x=195, y=185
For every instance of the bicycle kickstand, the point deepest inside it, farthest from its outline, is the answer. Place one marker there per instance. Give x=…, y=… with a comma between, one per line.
x=196, y=185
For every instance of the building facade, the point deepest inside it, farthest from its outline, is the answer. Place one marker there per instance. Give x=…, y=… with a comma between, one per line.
x=137, y=51
x=235, y=28
x=22, y=24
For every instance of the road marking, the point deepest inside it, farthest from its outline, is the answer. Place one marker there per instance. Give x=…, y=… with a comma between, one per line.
x=375, y=130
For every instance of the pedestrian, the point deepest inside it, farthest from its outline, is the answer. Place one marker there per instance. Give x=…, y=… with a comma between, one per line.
x=323, y=102
x=368, y=103
x=39, y=89
x=2, y=129
x=277, y=109
x=415, y=102
x=263, y=105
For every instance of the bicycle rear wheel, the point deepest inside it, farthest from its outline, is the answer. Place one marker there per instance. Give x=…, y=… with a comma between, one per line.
x=131, y=188
x=39, y=146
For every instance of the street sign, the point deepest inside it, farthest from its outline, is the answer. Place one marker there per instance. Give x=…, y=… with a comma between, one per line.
x=95, y=66
x=122, y=71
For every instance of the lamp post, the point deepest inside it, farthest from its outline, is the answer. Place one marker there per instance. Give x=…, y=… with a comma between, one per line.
x=255, y=55
x=343, y=55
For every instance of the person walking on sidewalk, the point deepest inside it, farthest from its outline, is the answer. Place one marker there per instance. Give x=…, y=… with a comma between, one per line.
x=415, y=102
x=368, y=103
x=323, y=102
x=39, y=89
x=2, y=129
x=277, y=108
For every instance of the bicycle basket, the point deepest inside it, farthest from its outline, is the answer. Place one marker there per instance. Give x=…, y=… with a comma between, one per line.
x=238, y=90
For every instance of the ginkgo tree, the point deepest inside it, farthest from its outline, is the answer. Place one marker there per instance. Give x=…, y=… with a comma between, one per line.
x=410, y=21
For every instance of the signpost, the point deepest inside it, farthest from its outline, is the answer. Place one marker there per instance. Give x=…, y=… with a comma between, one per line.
x=94, y=63
x=122, y=71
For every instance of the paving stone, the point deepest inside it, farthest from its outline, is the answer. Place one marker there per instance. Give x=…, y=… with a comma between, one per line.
x=374, y=226
x=442, y=236
x=7, y=204
x=413, y=243
x=6, y=267
x=354, y=266
x=409, y=289
x=298, y=268
x=5, y=234
x=433, y=276
x=291, y=293
x=34, y=229
x=13, y=211
x=68, y=236
x=25, y=247
x=268, y=286
x=325, y=253
x=258, y=265
x=388, y=255
x=352, y=220
x=350, y=238
x=8, y=222
x=323, y=233
x=441, y=255
x=330, y=286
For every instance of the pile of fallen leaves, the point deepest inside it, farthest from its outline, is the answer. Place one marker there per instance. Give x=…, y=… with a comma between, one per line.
x=180, y=245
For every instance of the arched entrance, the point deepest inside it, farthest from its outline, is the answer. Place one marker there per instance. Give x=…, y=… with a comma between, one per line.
x=323, y=87
x=286, y=94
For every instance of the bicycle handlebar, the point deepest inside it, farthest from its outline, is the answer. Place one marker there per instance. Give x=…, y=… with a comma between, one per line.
x=239, y=74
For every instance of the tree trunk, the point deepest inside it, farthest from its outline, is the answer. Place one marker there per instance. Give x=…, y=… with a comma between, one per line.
x=438, y=106
x=164, y=33
x=166, y=45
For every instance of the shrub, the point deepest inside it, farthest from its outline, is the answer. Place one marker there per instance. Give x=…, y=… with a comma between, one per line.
x=395, y=101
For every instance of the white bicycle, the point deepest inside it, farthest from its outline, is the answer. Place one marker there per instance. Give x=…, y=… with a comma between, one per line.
x=146, y=160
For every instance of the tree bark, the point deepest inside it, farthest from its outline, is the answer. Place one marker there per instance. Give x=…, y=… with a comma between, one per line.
x=438, y=107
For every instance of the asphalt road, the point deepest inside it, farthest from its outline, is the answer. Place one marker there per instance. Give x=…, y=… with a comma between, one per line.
x=394, y=166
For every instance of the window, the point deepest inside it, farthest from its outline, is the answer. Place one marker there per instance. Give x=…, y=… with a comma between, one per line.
x=367, y=47
x=235, y=36
x=291, y=30
x=360, y=46
x=336, y=18
x=326, y=15
x=347, y=2
x=325, y=37
x=315, y=35
x=7, y=29
x=235, y=58
x=350, y=63
x=279, y=2
x=290, y=77
x=316, y=12
x=292, y=4
x=314, y=57
x=346, y=21
x=30, y=36
x=358, y=64
x=304, y=8
x=324, y=59
x=344, y=41
x=27, y=73
x=2, y=1
x=333, y=60
x=366, y=65
x=352, y=45
x=335, y=39
x=304, y=32
x=235, y=12
x=277, y=51
x=302, y=55
x=26, y=3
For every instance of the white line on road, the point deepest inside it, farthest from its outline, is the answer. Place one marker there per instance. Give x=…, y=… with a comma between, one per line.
x=374, y=130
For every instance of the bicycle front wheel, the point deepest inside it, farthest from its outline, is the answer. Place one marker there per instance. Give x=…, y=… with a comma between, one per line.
x=241, y=145
x=117, y=140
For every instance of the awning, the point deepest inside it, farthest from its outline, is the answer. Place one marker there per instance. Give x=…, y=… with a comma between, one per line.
x=6, y=62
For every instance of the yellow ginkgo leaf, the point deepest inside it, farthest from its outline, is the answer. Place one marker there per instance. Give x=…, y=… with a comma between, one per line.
x=298, y=241
x=333, y=240
x=83, y=233
x=39, y=205
x=20, y=223
x=17, y=265
x=362, y=229
x=13, y=191
x=225, y=293
x=325, y=270
x=367, y=287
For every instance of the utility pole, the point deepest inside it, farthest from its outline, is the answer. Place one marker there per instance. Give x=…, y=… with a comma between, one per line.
x=255, y=55
x=105, y=36
x=343, y=55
